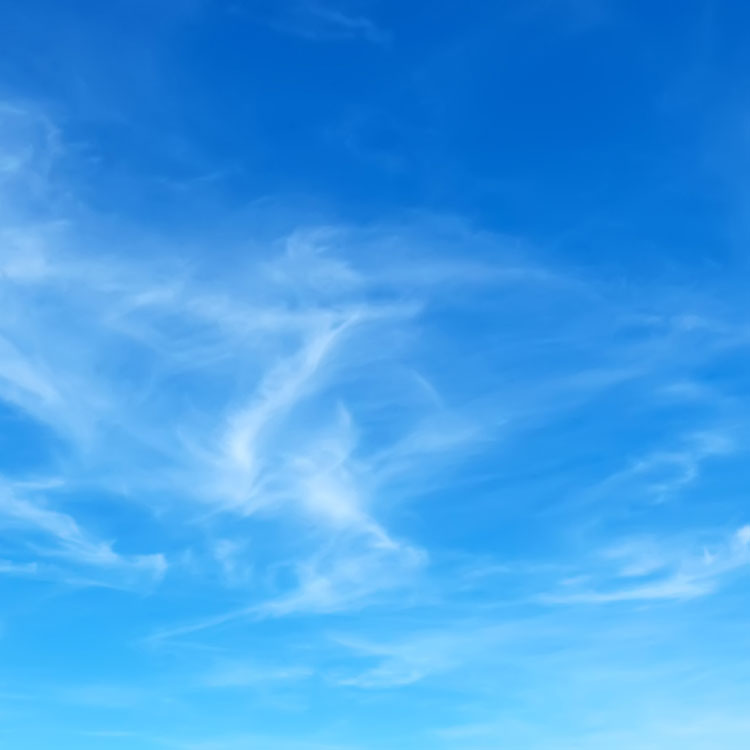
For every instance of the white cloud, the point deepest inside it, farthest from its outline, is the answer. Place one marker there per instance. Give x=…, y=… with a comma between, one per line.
x=647, y=570
x=70, y=542
x=279, y=391
x=244, y=674
x=311, y=383
x=18, y=569
x=322, y=21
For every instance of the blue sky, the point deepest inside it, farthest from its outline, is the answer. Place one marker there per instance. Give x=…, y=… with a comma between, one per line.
x=374, y=375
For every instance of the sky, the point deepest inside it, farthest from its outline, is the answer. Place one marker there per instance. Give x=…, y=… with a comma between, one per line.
x=373, y=375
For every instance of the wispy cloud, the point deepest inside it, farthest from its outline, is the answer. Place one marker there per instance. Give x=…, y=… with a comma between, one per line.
x=326, y=21
x=408, y=662
x=663, y=473
x=646, y=570
x=243, y=675
x=389, y=431
x=69, y=542
x=308, y=387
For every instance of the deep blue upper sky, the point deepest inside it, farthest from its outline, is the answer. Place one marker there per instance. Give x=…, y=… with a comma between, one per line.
x=373, y=375
x=550, y=118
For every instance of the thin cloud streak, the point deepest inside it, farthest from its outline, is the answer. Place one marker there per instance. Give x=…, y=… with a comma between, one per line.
x=657, y=573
